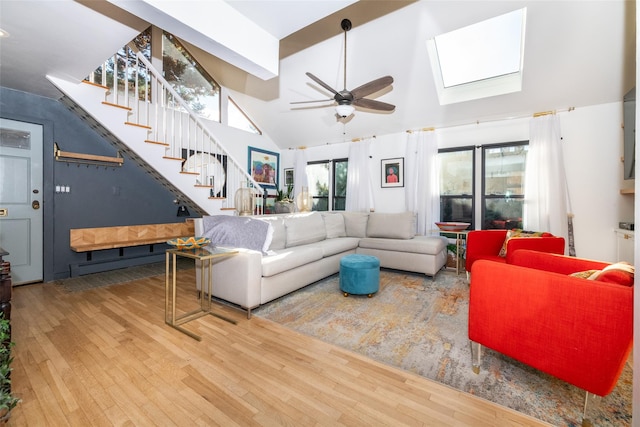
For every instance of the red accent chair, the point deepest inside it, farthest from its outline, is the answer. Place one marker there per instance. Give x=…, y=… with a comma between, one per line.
x=534, y=311
x=486, y=244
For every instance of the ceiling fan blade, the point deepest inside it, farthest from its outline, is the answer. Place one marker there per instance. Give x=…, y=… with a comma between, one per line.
x=371, y=87
x=308, y=102
x=321, y=83
x=373, y=104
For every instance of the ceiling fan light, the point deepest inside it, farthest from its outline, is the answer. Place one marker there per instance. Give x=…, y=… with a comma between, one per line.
x=345, y=110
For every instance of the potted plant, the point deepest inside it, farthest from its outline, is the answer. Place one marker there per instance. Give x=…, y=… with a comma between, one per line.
x=284, y=200
x=7, y=400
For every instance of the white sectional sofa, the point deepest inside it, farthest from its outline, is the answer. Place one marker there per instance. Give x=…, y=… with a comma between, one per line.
x=301, y=248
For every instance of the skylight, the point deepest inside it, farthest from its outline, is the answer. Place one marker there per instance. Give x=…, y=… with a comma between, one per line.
x=481, y=60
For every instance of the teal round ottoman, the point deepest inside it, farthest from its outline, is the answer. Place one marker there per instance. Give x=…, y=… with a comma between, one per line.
x=359, y=275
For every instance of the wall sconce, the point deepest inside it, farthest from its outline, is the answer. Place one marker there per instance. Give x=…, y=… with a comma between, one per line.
x=304, y=202
x=183, y=211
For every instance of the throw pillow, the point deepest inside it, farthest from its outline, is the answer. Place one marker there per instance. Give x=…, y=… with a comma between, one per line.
x=587, y=274
x=516, y=232
x=355, y=223
x=621, y=273
x=334, y=225
x=238, y=232
x=392, y=225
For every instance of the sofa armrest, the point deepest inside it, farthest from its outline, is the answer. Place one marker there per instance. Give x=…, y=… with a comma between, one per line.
x=575, y=329
x=483, y=243
x=552, y=262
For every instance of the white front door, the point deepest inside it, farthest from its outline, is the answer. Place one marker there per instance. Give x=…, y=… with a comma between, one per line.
x=21, y=199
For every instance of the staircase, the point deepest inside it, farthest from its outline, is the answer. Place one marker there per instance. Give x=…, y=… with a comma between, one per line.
x=144, y=117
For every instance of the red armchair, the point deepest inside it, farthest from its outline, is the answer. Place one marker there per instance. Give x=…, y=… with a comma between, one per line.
x=486, y=244
x=532, y=310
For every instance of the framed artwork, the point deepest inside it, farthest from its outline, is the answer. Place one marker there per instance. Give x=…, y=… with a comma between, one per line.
x=264, y=166
x=392, y=172
x=212, y=170
x=288, y=177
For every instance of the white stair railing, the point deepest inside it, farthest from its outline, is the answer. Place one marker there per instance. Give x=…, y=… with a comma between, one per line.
x=152, y=103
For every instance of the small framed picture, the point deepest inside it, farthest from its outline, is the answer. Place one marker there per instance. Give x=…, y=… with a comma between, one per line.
x=392, y=172
x=288, y=177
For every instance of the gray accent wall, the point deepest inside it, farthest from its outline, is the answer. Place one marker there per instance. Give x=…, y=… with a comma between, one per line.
x=99, y=197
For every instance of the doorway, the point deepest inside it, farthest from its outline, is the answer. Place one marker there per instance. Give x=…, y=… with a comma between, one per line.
x=21, y=184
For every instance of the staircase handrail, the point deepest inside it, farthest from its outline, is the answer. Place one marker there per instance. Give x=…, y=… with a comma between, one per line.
x=193, y=116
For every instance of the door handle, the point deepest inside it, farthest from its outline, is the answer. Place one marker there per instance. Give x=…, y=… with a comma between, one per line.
x=4, y=212
x=35, y=204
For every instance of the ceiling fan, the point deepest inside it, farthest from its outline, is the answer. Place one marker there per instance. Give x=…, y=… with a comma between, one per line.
x=347, y=99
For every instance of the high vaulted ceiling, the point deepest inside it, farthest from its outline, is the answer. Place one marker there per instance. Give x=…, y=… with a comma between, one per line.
x=576, y=54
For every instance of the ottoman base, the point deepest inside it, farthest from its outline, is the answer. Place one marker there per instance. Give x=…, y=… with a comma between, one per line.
x=359, y=275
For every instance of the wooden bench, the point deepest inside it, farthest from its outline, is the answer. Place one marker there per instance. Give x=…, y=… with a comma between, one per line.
x=120, y=237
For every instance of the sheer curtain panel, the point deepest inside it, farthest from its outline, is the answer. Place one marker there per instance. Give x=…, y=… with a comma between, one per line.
x=421, y=179
x=300, y=171
x=359, y=177
x=545, y=189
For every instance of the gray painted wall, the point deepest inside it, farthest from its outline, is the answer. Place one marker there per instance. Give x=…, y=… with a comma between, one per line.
x=99, y=196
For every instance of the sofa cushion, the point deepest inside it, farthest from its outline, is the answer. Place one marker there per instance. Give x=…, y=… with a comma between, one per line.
x=289, y=258
x=304, y=228
x=279, y=237
x=355, y=223
x=392, y=225
x=335, y=246
x=430, y=245
x=334, y=224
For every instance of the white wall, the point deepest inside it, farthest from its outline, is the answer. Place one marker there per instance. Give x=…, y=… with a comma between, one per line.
x=592, y=138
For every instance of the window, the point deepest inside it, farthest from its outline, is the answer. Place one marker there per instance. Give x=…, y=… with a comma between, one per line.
x=502, y=178
x=456, y=184
x=340, y=184
x=238, y=119
x=503, y=185
x=323, y=176
x=189, y=79
x=480, y=60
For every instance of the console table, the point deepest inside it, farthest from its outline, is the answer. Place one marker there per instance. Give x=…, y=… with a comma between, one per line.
x=205, y=255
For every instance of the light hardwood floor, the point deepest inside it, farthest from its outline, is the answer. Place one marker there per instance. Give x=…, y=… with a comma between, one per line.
x=105, y=357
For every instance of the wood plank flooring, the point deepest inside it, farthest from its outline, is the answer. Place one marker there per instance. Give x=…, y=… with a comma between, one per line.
x=105, y=357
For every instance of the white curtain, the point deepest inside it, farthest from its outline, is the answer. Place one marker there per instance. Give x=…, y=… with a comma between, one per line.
x=422, y=187
x=545, y=189
x=359, y=177
x=300, y=171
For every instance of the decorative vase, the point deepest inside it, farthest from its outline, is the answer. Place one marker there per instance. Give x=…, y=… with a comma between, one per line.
x=284, y=207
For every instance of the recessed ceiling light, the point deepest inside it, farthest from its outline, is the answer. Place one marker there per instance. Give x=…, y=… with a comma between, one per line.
x=3, y=33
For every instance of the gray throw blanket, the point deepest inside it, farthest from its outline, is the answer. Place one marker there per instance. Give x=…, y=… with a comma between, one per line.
x=238, y=232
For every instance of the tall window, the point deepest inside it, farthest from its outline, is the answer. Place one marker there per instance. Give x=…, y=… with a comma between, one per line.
x=328, y=184
x=502, y=178
x=189, y=79
x=340, y=184
x=456, y=184
x=503, y=185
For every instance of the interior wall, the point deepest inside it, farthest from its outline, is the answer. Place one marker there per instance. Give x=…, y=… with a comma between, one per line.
x=99, y=196
x=592, y=141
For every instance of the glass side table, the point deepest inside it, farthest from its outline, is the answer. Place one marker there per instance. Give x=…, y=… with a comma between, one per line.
x=460, y=245
x=205, y=255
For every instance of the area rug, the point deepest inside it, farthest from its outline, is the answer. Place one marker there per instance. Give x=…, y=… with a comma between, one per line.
x=420, y=325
